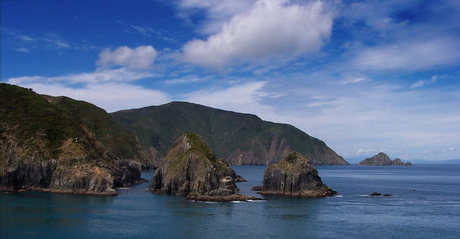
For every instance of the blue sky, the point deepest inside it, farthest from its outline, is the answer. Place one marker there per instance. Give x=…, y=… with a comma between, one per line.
x=364, y=76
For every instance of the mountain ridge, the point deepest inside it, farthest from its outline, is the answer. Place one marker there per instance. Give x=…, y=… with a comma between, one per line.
x=243, y=139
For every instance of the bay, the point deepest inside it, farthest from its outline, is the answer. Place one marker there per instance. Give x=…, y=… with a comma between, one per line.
x=425, y=203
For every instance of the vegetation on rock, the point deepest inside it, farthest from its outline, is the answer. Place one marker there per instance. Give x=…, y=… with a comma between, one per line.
x=45, y=147
x=243, y=139
x=294, y=176
x=191, y=169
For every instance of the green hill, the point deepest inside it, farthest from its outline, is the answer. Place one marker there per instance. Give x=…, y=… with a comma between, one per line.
x=118, y=140
x=243, y=139
x=47, y=147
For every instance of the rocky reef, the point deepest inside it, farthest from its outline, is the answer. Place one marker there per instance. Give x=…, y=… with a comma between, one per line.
x=294, y=176
x=381, y=159
x=191, y=169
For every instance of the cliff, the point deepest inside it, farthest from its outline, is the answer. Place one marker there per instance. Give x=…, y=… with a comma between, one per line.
x=381, y=159
x=294, y=176
x=44, y=147
x=242, y=139
x=191, y=169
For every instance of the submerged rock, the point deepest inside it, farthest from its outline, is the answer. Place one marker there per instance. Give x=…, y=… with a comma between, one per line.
x=294, y=176
x=191, y=169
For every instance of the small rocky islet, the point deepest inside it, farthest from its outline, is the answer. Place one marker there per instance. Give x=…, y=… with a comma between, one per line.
x=191, y=169
x=294, y=176
x=381, y=159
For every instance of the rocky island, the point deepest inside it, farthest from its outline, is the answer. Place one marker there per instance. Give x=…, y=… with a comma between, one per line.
x=381, y=159
x=191, y=169
x=294, y=176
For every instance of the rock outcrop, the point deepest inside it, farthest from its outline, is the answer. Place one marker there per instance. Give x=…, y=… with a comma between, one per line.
x=191, y=169
x=44, y=147
x=381, y=159
x=294, y=176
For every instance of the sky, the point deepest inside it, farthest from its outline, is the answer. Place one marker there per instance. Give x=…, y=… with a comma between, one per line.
x=363, y=76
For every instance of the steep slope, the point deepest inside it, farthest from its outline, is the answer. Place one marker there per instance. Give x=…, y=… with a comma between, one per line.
x=118, y=140
x=43, y=147
x=243, y=139
x=294, y=176
x=191, y=167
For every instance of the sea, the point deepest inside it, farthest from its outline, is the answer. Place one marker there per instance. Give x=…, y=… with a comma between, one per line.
x=425, y=203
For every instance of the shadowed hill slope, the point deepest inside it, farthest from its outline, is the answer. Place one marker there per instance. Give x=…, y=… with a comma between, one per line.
x=243, y=139
x=118, y=140
x=45, y=147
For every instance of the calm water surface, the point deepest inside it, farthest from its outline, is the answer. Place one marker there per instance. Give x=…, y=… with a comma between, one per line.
x=425, y=204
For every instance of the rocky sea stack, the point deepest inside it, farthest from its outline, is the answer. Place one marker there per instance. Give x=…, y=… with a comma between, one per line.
x=381, y=159
x=294, y=176
x=191, y=169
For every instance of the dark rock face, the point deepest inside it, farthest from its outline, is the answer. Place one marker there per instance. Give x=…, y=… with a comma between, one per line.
x=294, y=176
x=381, y=159
x=191, y=169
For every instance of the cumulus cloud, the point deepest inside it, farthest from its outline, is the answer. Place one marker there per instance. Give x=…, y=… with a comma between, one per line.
x=270, y=29
x=141, y=57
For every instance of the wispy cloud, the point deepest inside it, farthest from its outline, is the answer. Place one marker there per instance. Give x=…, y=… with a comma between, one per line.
x=422, y=83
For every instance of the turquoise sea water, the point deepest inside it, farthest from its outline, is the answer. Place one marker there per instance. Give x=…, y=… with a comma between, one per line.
x=425, y=204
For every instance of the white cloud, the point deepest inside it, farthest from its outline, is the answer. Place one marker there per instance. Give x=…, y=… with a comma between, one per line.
x=22, y=49
x=243, y=98
x=418, y=55
x=99, y=76
x=270, y=29
x=109, y=96
x=365, y=151
x=141, y=57
x=422, y=83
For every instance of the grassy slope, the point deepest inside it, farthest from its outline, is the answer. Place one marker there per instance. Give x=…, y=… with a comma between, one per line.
x=112, y=134
x=224, y=131
x=36, y=125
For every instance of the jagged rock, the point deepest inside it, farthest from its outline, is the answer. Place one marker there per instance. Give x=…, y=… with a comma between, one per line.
x=294, y=176
x=239, y=179
x=256, y=188
x=191, y=169
x=381, y=159
x=374, y=194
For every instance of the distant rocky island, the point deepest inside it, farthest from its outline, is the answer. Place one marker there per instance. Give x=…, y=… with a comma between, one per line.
x=294, y=176
x=191, y=169
x=381, y=159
